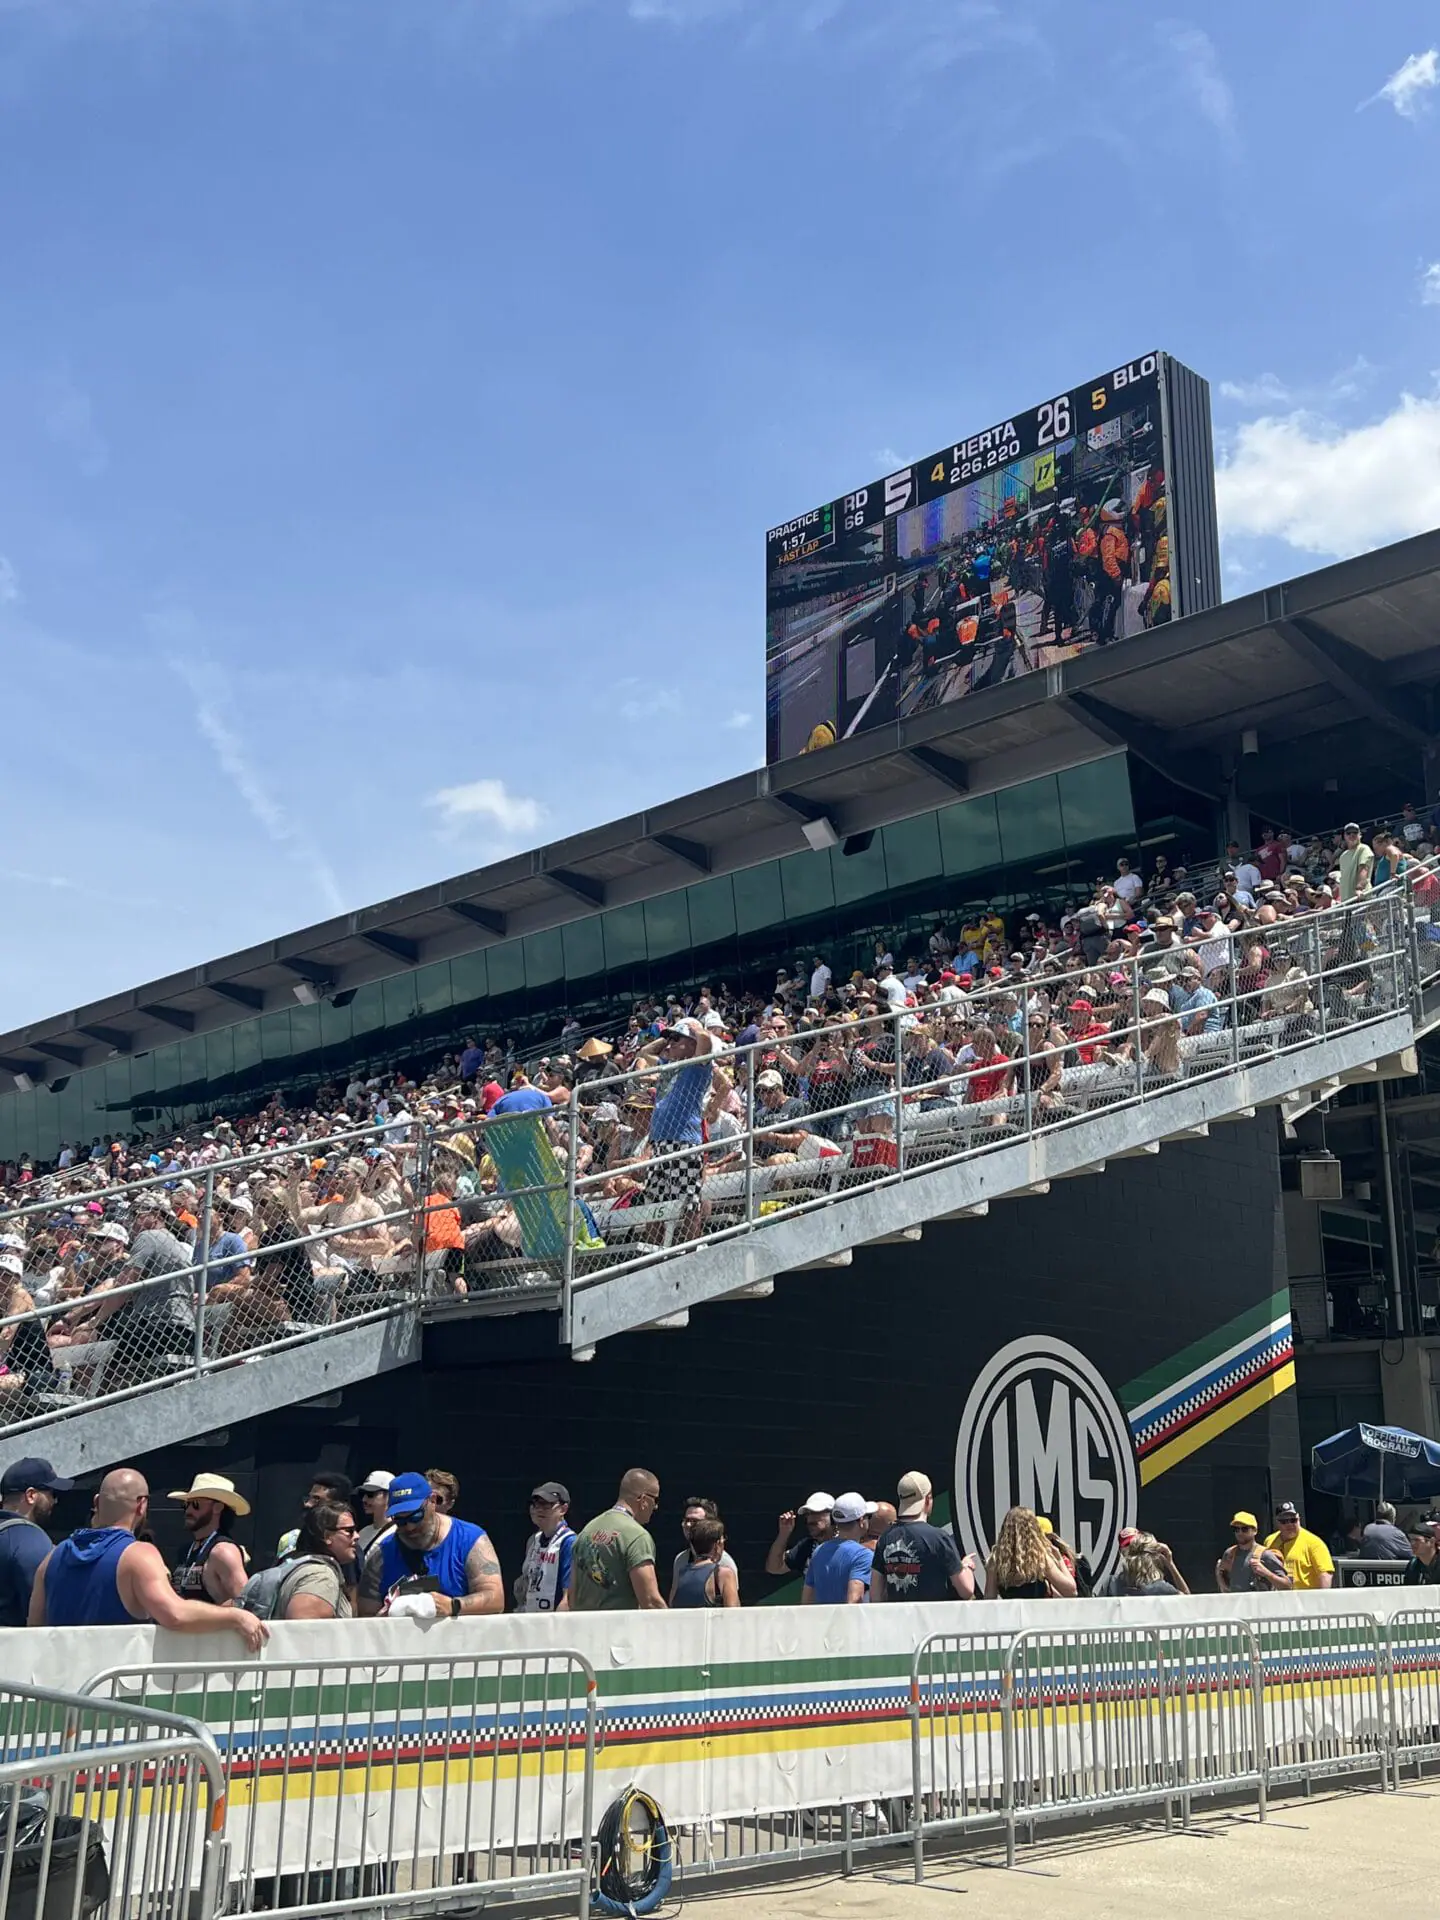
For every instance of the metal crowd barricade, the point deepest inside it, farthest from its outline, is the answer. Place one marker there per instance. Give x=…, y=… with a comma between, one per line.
x=1327, y=1697
x=1215, y=1708
x=106, y=1809
x=351, y=1784
x=956, y=1739
x=1412, y=1646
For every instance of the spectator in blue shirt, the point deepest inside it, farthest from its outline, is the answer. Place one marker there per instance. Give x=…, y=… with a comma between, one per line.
x=27, y=1500
x=1197, y=1006
x=675, y=1123
x=839, y=1571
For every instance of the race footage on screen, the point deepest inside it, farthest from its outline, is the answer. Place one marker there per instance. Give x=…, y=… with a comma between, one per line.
x=1037, y=539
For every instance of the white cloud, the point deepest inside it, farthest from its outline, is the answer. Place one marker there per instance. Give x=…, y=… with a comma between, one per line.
x=9, y=582
x=69, y=419
x=211, y=695
x=1331, y=490
x=1201, y=75
x=645, y=702
x=1408, y=87
x=738, y=720
x=487, y=801
x=1430, y=285
x=1267, y=390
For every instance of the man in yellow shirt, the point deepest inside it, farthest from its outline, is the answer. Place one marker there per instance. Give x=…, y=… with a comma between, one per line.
x=1306, y=1556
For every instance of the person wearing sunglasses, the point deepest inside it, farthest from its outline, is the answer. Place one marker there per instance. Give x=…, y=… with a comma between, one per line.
x=214, y=1567
x=433, y=1565
x=315, y=1582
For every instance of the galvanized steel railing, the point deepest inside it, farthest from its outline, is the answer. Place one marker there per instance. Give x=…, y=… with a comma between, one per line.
x=544, y=1205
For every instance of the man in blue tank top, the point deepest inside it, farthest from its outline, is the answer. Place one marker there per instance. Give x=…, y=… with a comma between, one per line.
x=102, y=1576
x=432, y=1564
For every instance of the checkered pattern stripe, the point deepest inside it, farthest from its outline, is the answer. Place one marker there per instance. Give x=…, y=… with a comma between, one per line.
x=1203, y=1396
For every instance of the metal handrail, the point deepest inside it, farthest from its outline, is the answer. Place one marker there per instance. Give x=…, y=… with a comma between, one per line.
x=550, y=1223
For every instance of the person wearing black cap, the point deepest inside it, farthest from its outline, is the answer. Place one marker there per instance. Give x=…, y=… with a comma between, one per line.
x=543, y=1585
x=27, y=1500
x=1356, y=864
x=1424, y=1567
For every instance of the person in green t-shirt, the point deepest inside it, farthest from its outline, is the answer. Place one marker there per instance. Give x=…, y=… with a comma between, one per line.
x=614, y=1563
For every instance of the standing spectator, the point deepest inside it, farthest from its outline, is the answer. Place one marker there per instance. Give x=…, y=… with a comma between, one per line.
x=614, y=1565
x=820, y=977
x=915, y=1560
x=1247, y=1567
x=696, y=1509
x=1382, y=1539
x=1356, y=863
x=214, y=1567
x=786, y=1554
x=433, y=1563
x=544, y=1582
x=1147, y=1570
x=472, y=1059
x=1424, y=1567
x=840, y=1569
x=27, y=1500
x=104, y=1576
x=675, y=1123
x=314, y=1582
x=1129, y=886
x=445, y=1487
x=1246, y=874
x=373, y=1494
x=706, y=1580
x=1306, y=1556
x=1022, y=1564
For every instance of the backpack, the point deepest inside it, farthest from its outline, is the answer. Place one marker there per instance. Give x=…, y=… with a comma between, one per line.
x=262, y=1593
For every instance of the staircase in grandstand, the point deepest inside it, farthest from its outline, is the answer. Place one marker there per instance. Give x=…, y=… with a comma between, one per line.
x=113, y=1374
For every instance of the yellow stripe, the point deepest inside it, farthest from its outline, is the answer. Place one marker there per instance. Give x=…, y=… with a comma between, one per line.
x=1214, y=1424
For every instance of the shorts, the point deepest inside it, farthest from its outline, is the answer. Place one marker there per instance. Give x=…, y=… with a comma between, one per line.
x=676, y=1177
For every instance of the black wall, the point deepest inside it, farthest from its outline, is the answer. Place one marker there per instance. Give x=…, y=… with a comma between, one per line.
x=846, y=1378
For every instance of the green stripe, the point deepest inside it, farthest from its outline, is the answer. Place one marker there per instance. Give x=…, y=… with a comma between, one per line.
x=1135, y=1392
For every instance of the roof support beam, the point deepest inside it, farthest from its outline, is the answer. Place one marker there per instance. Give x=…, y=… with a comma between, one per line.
x=110, y=1037
x=578, y=885
x=310, y=970
x=485, y=917
x=943, y=767
x=798, y=807
x=250, y=997
x=1353, y=674
x=33, y=1069
x=690, y=851
x=1200, y=772
x=69, y=1056
x=172, y=1017
x=394, y=944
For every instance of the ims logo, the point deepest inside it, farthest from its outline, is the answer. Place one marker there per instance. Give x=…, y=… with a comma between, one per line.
x=1041, y=1429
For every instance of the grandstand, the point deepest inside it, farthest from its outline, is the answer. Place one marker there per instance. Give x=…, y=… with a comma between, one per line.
x=864, y=1238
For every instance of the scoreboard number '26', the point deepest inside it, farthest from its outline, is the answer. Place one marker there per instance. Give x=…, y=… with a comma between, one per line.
x=1054, y=421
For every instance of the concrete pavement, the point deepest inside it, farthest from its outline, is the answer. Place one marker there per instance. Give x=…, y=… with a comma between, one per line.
x=1362, y=1853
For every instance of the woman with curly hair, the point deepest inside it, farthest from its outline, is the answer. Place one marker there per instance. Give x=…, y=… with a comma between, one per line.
x=1022, y=1565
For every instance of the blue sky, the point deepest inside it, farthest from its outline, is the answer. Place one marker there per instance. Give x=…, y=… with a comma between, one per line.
x=396, y=393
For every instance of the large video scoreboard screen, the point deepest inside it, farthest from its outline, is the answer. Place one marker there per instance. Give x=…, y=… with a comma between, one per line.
x=1050, y=532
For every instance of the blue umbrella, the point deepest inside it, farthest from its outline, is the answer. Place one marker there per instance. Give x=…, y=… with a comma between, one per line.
x=1377, y=1463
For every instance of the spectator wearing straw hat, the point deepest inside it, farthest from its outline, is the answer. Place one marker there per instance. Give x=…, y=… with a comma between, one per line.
x=214, y=1567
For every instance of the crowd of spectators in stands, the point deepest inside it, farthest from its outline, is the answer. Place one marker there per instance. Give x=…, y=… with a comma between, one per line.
x=1143, y=968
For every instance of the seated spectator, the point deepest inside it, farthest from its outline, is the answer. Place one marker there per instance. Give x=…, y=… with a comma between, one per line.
x=1162, y=1034
x=776, y=1119
x=1087, y=1035
x=1199, y=1009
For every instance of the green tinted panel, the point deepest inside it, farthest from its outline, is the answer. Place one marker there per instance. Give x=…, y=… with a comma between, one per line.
x=469, y=978
x=304, y=1031
x=858, y=876
x=7, y=1127
x=192, y=1063
x=118, y=1089
x=712, y=911
x=806, y=886
x=220, y=1053
x=247, y=1046
x=367, y=1009
x=506, y=964
x=1030, y=820
x=397, y=996
x=275, y=1034
x=544, y=958
x=912, y=851
x=167, y=1070
x=142, y=1078
x=68, y=1111
x=335, y=1025
x=47, y=1125
x=1095, y=802
x=583, y=944
x=970, y=836
x=667, y=925
x=624, y=929
x=432, y=988
x=759, y=903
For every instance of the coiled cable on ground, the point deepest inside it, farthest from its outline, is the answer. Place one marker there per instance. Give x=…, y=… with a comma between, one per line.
x=634, y=1856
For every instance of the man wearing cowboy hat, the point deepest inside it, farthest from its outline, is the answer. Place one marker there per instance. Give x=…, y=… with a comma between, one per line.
x=214, y=1568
